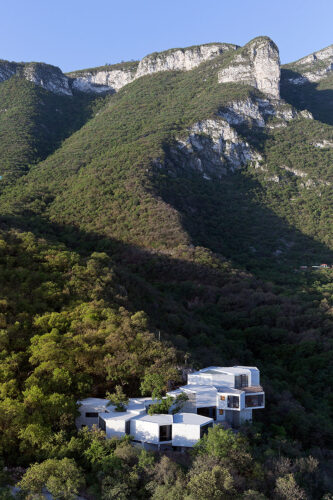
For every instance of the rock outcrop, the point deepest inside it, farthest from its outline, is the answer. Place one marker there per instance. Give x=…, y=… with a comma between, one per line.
x=311, y=68
x=49, y=77
x=259, y=112
x=114, y=78
x=256, y=64
x=213, y=148
x=103, y=81
x=181, y=59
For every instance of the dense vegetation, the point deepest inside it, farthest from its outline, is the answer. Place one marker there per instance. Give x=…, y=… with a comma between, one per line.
x=113, y=269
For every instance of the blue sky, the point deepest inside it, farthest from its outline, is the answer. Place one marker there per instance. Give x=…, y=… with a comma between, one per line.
x=76, y=34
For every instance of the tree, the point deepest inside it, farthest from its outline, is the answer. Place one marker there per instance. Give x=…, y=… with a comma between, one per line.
x=214, y=484
x=287, y=489
x=118, y=399
x=62, y=478
x=168, y=403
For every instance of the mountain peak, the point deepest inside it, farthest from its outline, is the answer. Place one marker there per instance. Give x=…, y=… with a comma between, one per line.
x=256, y=64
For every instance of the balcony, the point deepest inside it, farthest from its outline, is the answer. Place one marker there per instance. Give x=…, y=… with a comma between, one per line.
x=253, y=388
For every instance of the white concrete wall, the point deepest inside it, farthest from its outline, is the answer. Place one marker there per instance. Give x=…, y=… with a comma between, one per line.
x=218, y=379
x=255, y=377
x=185, y=434
x=245, y=415
x=115, y=428
x=220, y=418
x=83, y=420
x=206, y=398
x=198, y=379
x=145, y=431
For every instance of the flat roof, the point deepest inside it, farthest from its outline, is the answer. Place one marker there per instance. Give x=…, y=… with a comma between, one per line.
x=96, y=402
x=126, y=415
x=215, y=370
x=191, y=419
x=229, y=390
x=198, y=388
x=159, y=419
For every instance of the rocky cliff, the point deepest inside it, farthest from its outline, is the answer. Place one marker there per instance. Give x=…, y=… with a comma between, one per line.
x=115, y=77
x=181, y=59
x=213, y=148
x=49, y=77
x=256, y=64
x=311, y=68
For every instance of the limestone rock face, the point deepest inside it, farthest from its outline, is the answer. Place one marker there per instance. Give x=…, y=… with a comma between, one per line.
x=103, y=81
x=259, y=112
x=213, y=148
x=313, y=67
x=181, y=59
x=257, y=64
x=171, y=60
x=7, y=69
x=49, y=77
x=44, y=75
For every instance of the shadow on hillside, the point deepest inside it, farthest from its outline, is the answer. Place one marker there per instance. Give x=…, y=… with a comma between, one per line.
x=308, y=96
x=222, y=215
x=194, y=297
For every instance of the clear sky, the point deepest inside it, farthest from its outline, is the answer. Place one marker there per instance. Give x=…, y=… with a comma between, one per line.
x=76, y=34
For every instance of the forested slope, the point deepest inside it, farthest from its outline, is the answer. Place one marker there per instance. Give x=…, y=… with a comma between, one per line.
x=161, y=226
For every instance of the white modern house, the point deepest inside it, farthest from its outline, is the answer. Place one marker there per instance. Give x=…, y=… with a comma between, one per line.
x=215, y=395
x=225, y=394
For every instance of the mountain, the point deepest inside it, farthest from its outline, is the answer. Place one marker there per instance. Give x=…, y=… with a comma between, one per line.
x=169, y=201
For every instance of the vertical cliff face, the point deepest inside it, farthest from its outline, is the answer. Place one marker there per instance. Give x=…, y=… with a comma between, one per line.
x=49, y=77
x=181, y=59
x=257, y=64
x=114, y=78
x=103, y=81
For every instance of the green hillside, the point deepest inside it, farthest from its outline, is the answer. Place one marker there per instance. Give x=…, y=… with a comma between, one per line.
x=121, y=262
x=33, y=123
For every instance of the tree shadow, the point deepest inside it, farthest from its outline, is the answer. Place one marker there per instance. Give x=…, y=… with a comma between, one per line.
x=222, y=213
x=312, y=96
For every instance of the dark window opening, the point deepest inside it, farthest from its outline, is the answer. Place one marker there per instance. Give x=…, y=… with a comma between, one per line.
x=204, y=429
x=91, y=415
x=209, y=411
x=233, y=402
x=128, y=427
x=102, y=424
x=253, y=401
x=241, y=381
x=165, y=432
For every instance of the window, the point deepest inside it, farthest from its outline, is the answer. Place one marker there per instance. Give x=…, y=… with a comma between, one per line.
x=241, y=381
x=204, y=429
x=222, y=398
x=128, y=427
x=91, y=415
x=165, y=432
x=254, y=400
x=102, y=424
x=209, y=411
x=221, y=412
x=233, y=402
